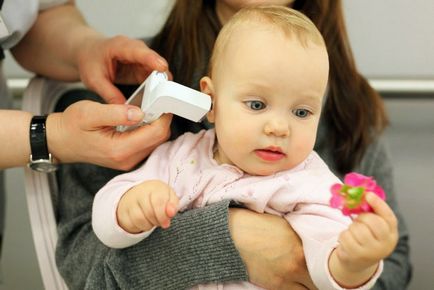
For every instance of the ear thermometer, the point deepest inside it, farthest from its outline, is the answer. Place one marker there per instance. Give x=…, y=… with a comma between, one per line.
x=157, y=95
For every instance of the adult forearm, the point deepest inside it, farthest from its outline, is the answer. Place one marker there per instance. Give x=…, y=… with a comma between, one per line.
x=271, y=249
x=181, y=256
x=14, y=136
x=50, y=48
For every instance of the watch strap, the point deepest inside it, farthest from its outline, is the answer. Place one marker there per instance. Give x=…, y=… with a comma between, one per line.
x=38, y=138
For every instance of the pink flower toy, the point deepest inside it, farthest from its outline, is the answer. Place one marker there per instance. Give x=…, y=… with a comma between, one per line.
x=350, y=196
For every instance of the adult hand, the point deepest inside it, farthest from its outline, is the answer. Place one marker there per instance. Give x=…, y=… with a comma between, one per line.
x=122, y=60
x=271, y=250
x=85, y=132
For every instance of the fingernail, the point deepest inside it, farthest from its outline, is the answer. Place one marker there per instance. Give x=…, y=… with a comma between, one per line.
x=166, y=224
x=162, y=62
x=135, y=114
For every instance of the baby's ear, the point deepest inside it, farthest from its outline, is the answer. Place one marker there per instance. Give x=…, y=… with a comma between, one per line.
x=207, y=87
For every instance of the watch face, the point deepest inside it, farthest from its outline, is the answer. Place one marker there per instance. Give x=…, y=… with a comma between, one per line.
x=43, y=166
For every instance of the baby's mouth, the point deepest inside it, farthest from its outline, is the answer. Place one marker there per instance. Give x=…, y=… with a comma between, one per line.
x=270, y=153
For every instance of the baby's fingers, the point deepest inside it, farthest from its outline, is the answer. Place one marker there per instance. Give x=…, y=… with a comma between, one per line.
x=160, y=201
x=172, y=204
x=138, y=219
x=381, y=208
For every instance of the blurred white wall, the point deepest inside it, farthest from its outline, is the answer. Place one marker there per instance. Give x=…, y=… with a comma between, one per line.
x=392, y=38
x=136, y=18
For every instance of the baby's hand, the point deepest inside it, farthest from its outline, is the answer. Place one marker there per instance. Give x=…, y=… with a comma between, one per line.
x=148, y=204
x=370, y=238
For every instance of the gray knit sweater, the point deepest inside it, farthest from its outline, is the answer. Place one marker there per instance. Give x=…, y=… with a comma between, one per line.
x=197, y=248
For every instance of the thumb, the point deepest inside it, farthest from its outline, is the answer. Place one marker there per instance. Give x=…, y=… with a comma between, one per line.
x=103, y=115
x=381, y=208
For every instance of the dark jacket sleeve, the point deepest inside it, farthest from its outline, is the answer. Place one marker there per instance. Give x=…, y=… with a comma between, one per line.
x=197, y=248
x=397, y=267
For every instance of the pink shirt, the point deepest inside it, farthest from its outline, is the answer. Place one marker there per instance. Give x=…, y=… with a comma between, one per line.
x=301, y=195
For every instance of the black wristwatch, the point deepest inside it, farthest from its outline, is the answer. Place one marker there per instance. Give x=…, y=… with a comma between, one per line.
x=40, y=159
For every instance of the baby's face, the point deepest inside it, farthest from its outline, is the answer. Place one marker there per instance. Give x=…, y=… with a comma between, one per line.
x=267, y=90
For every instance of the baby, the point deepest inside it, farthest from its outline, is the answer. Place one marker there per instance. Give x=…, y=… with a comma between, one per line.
x=268, y=76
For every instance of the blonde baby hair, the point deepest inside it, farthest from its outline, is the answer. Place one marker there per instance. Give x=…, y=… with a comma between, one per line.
x=289, y=21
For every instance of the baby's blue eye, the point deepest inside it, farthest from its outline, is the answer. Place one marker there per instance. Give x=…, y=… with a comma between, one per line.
x=301, y=113
x=256, y=105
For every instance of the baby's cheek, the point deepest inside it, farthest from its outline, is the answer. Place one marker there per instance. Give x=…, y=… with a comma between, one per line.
x=306, y=140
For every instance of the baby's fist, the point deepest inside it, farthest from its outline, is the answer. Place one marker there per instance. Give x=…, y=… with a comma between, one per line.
x=146, y=205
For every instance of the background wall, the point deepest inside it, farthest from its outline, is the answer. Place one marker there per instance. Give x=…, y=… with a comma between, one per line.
x=391, y=39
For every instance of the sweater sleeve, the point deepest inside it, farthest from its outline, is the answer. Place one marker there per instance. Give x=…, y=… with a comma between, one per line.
x=196, y=249
x=397, y=268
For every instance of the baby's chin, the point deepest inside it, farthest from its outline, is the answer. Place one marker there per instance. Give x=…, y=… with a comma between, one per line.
x=263, y=171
